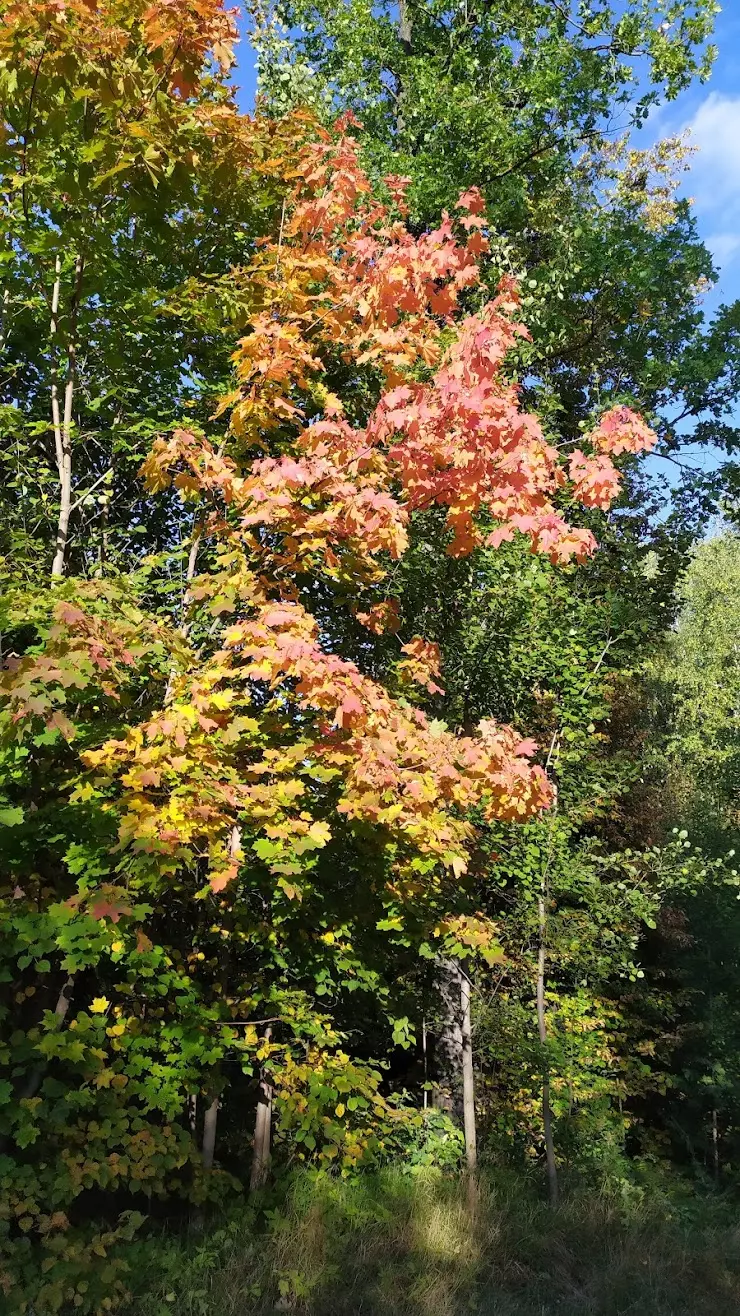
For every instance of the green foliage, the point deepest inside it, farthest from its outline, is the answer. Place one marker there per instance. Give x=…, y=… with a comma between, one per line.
x=693, y=963
x=697, y=681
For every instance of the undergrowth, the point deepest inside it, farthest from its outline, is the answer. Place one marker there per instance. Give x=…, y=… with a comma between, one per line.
x=392, y=1244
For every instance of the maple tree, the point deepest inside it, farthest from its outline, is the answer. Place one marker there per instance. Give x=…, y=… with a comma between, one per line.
x=541, y=105
x=221, y=780
x=330, y=506
x=529, y=103
x=225, y=818
x=116, y=136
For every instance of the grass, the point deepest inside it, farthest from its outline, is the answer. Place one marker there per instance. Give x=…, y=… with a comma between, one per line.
x=395, y=1245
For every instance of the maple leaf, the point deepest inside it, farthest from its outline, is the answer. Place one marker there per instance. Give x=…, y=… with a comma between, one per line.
x=220, y=879
x=472, y=200
x=109, y=902
x=596, y=481
x=422, y=665
x=350, y=709
x=381, y=617
x=622, y=430
x=69, y=614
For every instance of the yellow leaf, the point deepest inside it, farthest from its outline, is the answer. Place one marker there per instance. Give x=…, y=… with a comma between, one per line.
x=83, y=793
x=99, y=1005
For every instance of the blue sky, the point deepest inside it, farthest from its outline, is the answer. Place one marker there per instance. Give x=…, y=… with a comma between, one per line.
x=244, y=74
x=711, y=113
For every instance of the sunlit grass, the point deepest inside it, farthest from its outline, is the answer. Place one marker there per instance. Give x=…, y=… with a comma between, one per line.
x=396, y=1245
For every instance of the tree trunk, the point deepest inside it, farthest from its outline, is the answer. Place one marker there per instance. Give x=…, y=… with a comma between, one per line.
x=103, y=549
x=5, y=321
x=405, y=33
x=184, y=627
x=405, y=24
x=261, y=1153
x=471, y=1155
x=715, y=1144
x=448, y=1044
x=63, y=425
x=552, y=1169
x=55, y=412
x=426, y=1062
x=210, y=1120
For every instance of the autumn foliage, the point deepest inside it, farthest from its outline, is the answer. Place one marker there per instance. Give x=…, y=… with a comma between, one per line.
x=345, y=276
x=208, y=755
x=201, y=780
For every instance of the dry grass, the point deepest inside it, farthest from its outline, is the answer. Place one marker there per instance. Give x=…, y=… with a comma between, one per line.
x=392, y=1245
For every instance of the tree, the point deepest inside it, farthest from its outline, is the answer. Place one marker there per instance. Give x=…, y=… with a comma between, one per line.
x=212, y=785
x=699, y=687
x=535, y=105
x=693, y=960
x=126, y=171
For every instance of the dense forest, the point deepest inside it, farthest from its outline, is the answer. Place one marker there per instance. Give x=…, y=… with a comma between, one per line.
x=370, y=666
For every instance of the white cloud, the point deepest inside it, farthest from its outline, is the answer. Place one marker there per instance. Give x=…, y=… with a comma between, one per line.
x=713, y=182
x=723, y=246
x=715, y=170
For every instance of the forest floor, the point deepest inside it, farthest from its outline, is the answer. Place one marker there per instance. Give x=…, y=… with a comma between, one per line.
x=398, y=1245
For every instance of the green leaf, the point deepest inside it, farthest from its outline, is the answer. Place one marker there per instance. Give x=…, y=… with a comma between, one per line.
x=11, y=816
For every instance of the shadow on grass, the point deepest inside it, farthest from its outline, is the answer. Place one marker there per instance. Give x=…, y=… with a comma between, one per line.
x=396, y=1245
